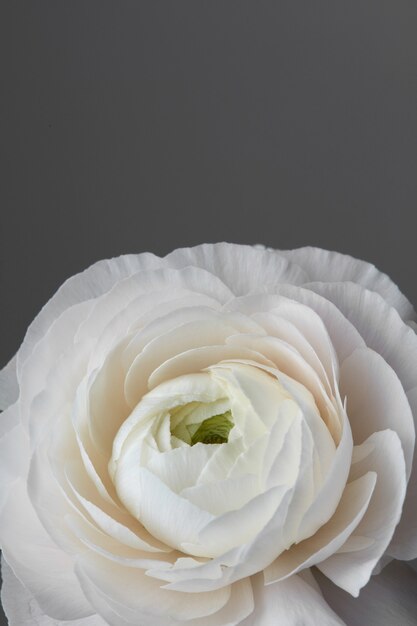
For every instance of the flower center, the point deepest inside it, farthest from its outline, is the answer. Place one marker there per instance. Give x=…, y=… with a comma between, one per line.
x=212, y=430
x=201, y=423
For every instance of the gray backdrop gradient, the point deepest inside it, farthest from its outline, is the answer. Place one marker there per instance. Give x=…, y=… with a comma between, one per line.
x=148, y=125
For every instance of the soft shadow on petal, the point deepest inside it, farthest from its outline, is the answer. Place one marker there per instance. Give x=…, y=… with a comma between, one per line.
x=138, y=599
x=14, y=459
x=389, y=599
x=331, y=536
x=22, y=609
x=49, y=577
x=290, y=602
x=343, y=334
x=9, y=389
x=376, y=400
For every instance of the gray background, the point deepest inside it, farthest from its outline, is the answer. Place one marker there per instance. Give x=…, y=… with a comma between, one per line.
x=148, y=125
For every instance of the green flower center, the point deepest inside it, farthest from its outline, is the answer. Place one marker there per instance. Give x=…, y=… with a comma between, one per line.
x=212, y=430
x=189, y=427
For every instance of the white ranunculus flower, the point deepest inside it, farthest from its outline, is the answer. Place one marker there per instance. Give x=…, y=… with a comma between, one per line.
x=184, y=438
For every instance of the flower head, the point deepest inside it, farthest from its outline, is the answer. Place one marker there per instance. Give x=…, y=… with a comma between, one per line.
x=211, y=438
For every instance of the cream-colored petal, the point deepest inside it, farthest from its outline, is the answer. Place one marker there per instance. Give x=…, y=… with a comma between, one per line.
x=328, y=538
x=197, y=359
x=352, y=570
x=137, y=598
x=164, y=321
x=195, y=334
x=284, y=329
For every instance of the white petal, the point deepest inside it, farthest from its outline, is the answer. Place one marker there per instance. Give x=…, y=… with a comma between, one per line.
x=51, y=578
x=105, y=406
x=22, y=609
x=286, y=359
x=312, y=327
x=116, y=523
x=167, y=516
x=197, y=359
x=239, y=527
x=285, y=330
x=389, y=599
x=404, y=542
x=9, y=389
x=330, y=267
x=180, y=468
x=384, y=331
x=379, y=324
x=163, y=322
x=290, y=602
x=200, y=387
x=376, y=400
x=223, y=496
x=328, y=538
x=184, y=337
x=264, y=393
x=241, y=268
x=146, y=296
x=239, y=606
x=139, y=599
x=412, y=324
x=89, y=284
x=327, y=499
x=352, y=570
x=52, y=349
x=14, y=459
x=142, y=308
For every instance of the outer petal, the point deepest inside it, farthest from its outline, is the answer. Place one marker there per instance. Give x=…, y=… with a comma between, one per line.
x=376, y=400
x=22, y=609
x=14, y=459
x=9, y=389
x=384, y=331
x=291, y=602
x=379, y=324
x=331, y=536
x=343, y=334
x=389, y=599
x=352, y=566
x=50, y=578
x=329, y=267
x=138, y=599
x=91, y=283
x=241, y=268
